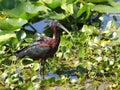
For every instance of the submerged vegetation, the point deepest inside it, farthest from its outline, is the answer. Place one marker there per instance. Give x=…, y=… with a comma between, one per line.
x=89, y=61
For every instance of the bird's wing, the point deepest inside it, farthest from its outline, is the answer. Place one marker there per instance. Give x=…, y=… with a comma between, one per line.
x=35, y=50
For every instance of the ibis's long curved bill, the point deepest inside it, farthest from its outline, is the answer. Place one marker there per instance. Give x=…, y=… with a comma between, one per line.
x=62, y=27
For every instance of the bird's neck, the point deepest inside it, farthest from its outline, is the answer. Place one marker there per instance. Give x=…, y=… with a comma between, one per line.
x=57, y=36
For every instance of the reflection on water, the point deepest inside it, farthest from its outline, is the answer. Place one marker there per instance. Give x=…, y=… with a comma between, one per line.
x=109, y=17
x=51, y=74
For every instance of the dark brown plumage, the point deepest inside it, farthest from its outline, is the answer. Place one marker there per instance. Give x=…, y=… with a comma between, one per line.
x=43, y=48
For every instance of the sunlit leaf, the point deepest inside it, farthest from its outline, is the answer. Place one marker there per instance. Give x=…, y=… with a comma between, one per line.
x=97, y=1
x=11, y=24
x=85, y=10
x=6, y=35
x=36, y=66
x=57, y=16
x=68, y=8
x=53, y=3
x=117, y=38
x=105, y=9
x=20, y=34
x=26, y=10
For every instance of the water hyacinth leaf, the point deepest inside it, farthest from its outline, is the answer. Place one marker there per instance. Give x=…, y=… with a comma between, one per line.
x=87, y=29
x=25, y=9
x=81, y=53
x=51, y=80
x=28, y=86
x=81, y=11
x=13, y=41
x=84, y=9
x=114, y=4
x=8, y=4
x=117, y=37
x=36, y=66
x=68, y=8
x=57, y=16
x=2, y=50
x=16, y=22
x=20, y=34
x=105, y=9
x=97, y=1
x=111, y=25
x=53, y=3
x=6, y=35
x=63, y=48
x=11, y=24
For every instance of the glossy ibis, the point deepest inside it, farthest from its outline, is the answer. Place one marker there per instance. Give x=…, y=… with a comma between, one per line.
x=43, y=48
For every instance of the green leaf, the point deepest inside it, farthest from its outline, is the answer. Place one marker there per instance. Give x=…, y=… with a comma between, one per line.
x=105, y=9
x=6, y=35
x=20, y=34
x=68, y=8
x=64, y=49
x=85, y=9
x=111, y=25
x=117, y=38
x=11, y=24
x=57, y=16
x=28, y=86
x=114, y=4
x=36, y=66
x=8, y=4
x=53, y=3
x=87, y=29
x=97, y=1
x=26, y=10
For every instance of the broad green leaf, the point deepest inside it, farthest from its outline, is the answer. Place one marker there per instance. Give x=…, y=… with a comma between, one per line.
x=97, y=1
x=114, y=4
x=53, y=3
x=36, y=66
x=8, y=4
x=111, y=25
x=6, y=35
x=105, y=9
x=64, y=49
x=68, y=8
x=87, y=29
x=82, y=10
x=28, y=86
x=20, y=34
x=57, y=16
x=11, y=24
x=81, y=53
x=85, y=9
x=26, y=10
x=117, y=38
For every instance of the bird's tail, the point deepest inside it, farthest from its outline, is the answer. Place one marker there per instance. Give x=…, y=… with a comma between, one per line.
x=21, y=53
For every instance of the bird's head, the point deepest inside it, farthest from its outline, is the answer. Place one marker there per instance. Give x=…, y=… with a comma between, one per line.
x=57, y=23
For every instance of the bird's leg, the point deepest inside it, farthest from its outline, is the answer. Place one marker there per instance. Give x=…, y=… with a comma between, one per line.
x=41, y=69
x=39, y=74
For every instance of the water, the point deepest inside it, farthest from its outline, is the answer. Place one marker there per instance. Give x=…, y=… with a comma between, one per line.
x=40, y=26
x=108, y=18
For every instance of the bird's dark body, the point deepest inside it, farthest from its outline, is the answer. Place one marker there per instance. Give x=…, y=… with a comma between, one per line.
x=43, y=48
